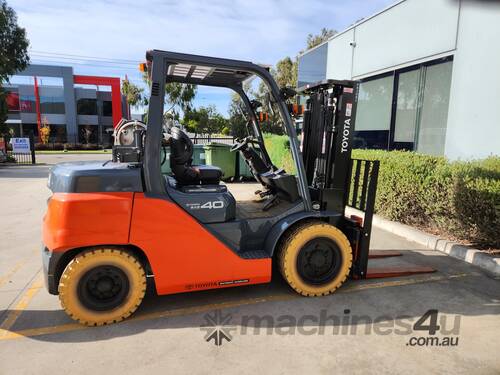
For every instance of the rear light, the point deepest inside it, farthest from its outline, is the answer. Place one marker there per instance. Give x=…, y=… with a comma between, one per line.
x=357, y=219
x=143, y=67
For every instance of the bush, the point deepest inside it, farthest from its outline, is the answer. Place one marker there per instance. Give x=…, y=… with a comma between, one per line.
x=49, y=146
x=80, y=146
x=72, y=146
x=89, y=146
x=278, y=148
x=66, y=146
x=460, y=200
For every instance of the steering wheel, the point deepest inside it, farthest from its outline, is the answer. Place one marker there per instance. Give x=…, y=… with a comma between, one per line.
x=241, y=144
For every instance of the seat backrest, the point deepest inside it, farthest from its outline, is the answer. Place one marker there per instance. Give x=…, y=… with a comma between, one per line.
x=181, y=148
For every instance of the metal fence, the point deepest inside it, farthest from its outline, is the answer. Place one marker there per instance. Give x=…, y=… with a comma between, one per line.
x=205, y=140
x=59, y=146
x=22, y=158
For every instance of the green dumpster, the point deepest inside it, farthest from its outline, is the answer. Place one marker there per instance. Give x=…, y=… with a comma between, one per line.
x=199, y=155
x=244, y=173
x=165, y=168
x=220, y=155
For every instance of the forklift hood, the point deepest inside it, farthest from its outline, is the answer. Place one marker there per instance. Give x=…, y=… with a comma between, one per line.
x=95, y=176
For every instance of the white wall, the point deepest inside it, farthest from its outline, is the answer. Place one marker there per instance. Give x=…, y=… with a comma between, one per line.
x=409, y=31
x=474, y=113
x=339, y=60
x=415, y=31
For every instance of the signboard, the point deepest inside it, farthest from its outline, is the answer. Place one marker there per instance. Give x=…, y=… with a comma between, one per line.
x=20, y=145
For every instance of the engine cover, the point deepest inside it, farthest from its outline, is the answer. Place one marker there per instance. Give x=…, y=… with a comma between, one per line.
x=207, y=203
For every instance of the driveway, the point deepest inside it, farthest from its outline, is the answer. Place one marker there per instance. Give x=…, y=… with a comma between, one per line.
x=366, y=327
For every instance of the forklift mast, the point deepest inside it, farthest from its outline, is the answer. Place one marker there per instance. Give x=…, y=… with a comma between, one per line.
x=328, y=125
x=327, y=133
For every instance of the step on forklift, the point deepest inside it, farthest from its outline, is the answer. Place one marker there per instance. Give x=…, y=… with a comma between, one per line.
x=111, y=226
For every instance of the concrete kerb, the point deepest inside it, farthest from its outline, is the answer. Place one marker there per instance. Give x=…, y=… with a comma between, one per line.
x=470, y=255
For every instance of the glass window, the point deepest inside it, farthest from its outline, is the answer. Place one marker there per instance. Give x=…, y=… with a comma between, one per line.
x=87, y=134
x=107, y=139
x=407, y=106
x=28, y=103
x=48, y=104
x=86, y=106
x=312, y=66
x=30, y=128
x=58, y=134
x=52, y=104
x=434, y=113
x=272, y=125
x=374, y=104
x=107, y=108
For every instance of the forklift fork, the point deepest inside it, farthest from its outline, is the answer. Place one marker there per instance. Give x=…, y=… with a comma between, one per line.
x=361, y=196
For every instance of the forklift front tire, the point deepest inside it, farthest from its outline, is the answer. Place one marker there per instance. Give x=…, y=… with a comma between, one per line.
x=102, y=286
x=315, y=259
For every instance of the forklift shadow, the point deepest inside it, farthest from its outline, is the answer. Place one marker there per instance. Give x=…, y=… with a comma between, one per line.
x=259, y=308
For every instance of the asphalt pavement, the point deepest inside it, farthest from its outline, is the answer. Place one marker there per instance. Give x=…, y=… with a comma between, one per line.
x=368, y=326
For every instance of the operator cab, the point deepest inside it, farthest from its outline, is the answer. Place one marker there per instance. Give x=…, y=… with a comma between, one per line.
x=203, y=190
x=232, y=210
x=198, y=188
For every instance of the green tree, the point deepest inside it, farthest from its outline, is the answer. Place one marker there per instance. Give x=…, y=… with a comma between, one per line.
x=4, y=129
x=13, y=54
x=204, y=120
x=132, y=92
x=237, y=117
x=286, y=72
x=315, y=40
x=178, y=96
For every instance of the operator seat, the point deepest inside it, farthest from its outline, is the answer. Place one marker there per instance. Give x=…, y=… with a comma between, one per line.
x=181, y=158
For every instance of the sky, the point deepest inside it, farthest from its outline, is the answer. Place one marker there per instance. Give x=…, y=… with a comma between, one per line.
x=110, y=38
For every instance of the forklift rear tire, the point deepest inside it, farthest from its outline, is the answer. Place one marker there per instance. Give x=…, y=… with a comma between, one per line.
x=102, y=286
x=315, y=259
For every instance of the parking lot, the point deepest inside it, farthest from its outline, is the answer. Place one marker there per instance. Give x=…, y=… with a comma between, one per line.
x=366, y=326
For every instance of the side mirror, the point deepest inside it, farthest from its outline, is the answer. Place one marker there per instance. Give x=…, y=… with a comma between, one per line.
x=255, y=104
x=287, y=93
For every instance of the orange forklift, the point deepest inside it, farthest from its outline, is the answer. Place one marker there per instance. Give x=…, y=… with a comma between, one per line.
x=111, y=226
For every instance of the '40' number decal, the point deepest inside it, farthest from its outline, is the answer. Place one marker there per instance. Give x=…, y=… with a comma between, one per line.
x=214, y=204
